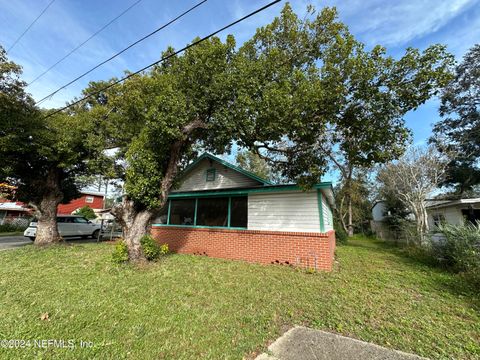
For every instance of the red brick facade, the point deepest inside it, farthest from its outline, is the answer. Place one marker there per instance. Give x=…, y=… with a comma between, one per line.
x=309, y=250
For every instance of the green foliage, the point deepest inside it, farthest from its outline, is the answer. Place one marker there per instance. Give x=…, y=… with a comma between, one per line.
x=250, y=161
x=87, y=212
x=461, y=249
x=458, y=132
x=164, y=250
x=120, y=252
x=356, y=190
x=341, y=235
x=40, y=156
x=150, y=248
x=11, y=228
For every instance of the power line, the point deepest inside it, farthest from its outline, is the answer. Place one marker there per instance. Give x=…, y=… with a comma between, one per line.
x=29, y=26
x=122, y=51
x=166, y=57
x=87, y=40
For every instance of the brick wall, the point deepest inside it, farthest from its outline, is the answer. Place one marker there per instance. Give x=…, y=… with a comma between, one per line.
x=310, y=250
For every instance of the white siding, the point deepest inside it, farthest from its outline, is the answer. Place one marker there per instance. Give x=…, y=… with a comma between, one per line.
x=225, y=178
x=453, y=215
x=327, y=215
x=284, y=211
x=378, y=211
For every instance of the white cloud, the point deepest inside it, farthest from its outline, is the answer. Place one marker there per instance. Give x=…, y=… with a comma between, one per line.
x=398, y=23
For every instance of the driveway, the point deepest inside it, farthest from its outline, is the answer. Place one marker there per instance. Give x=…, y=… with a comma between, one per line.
x=301, y=343
x=11, y=242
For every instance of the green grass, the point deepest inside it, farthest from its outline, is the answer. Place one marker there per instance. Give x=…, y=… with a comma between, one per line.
x=189, y=307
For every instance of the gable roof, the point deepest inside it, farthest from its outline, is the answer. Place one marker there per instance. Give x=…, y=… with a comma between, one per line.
x=227, y=164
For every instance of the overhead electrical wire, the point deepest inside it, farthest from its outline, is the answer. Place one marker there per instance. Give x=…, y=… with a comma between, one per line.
x=122, y=51
x=87, y=40
x=29, y=26
x=165, y=57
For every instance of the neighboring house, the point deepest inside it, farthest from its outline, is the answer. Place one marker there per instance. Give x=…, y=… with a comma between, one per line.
x=88, y=198
x=10, y=210
x=455, y=212
x=379, y=211
x=221, y=210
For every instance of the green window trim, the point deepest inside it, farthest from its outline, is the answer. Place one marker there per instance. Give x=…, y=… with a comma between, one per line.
x=229, y=215
x=211, y=174
x=195, y=212
x=168, y=212
x=230, y=211
x=320, y=210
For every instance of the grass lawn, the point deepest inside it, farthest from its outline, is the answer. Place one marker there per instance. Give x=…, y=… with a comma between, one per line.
x=191, y=307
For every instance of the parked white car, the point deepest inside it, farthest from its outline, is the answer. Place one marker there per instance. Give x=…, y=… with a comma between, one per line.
x=68, y=226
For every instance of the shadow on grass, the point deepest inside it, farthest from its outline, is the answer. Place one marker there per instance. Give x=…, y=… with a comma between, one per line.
x=455, y=284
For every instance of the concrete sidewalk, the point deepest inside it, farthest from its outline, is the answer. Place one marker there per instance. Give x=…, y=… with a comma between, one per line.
x=301, y=343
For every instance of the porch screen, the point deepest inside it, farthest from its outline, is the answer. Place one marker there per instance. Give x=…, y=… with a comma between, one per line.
x=239, y=212
x=212, y=212
x=182, y=212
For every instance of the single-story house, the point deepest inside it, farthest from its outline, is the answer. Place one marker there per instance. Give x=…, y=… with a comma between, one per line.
x=455, y=212
x=10, y=210
x=223, y=211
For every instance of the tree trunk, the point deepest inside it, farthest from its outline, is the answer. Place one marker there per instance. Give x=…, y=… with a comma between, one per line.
x=134, y=226
x=350, y=217
x=47, y=230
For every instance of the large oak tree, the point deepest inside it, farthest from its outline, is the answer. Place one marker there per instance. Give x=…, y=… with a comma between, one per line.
x=40, y=155
x=278, y=95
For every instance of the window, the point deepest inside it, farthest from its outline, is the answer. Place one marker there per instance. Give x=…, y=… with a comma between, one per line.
x=80, y=220
x=471, y=215
x=162, y=216
x=239, y=212
x=211, y=174
x=438, y=219
x=89, y=199
x=59, y=220
x=182, y=212
x=212, y=212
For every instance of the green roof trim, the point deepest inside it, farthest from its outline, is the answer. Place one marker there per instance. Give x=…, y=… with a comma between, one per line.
x=244, y=191
x=227, y=164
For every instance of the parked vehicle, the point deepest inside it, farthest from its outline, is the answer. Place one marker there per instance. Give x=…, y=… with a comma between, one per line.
x=68, y=226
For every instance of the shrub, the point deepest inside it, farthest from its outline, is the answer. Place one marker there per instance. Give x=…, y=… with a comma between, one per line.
x=87, y=212
x=460, y=248
x=17, y=224
x=120, y=252
x=341, y=235
x=164, y=249
x=150, y=247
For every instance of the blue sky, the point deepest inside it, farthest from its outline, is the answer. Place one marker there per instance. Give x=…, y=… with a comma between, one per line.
x=394, y=24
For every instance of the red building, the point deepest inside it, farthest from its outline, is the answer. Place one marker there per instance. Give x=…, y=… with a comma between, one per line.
x=11, y=209
x=90, y=199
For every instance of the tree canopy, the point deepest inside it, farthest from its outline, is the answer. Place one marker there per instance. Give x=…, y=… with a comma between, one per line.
x=278, y=95
x=458, y=133
x=39, y=155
